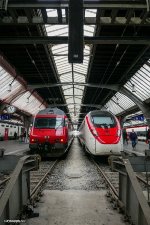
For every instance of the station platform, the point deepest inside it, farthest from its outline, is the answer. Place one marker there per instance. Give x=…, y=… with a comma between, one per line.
x=75, y=207
x=14, y=147
x=75, y=195
x=17, y=147
x=140, y=147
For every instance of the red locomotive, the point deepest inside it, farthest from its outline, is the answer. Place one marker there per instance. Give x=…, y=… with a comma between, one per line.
x=51, y=133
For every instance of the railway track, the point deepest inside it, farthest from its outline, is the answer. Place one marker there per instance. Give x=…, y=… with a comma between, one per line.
x=3, y=182
x=111, y=180
x=38, y=178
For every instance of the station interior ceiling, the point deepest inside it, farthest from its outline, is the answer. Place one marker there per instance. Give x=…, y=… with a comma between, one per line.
x=35, y=71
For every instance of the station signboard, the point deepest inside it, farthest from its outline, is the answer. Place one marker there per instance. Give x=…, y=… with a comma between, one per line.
x=5, y=117
x=138, y=117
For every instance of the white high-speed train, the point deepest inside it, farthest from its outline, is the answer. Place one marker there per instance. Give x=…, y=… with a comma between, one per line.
x=100, y=133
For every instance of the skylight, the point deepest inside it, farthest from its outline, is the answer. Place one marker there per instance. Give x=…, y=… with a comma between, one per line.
x=73, y=93
x=141, y=82
x=17, y=95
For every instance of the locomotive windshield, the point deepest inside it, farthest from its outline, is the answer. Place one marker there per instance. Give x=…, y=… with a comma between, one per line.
x=102, y=120
x=50, y=123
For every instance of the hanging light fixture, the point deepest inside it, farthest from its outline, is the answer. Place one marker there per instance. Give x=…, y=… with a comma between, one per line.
x=10, y=85
x=117, y=100
x=27, y=100
x=133, y=88
x=9, y=88
x=29, y=96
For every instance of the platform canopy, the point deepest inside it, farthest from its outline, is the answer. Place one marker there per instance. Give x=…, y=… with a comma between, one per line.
x=34, y=42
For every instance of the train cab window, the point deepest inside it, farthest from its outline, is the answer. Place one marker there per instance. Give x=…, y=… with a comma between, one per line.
x=49, y=123
x=103, y=121
x=7, y=125
x=2, y=125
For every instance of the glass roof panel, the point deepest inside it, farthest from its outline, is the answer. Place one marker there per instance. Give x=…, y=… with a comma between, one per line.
x=89, y=30
x=63, y=12
x=5, y=80
x=90, y=12
x=57, y=30
x=66, y=77
x=10, y=93
x=141, y=81
x=113, y=107
x=78, y=92
x=68, y=72
x=138, y=85
x=78, y=78
x=119, y=103
x=32, y=106
x=52, y=12
x=68, y=91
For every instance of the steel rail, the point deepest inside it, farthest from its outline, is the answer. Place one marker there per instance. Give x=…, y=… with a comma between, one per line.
x=106, y=179
x=113, y=192
x=37, y=187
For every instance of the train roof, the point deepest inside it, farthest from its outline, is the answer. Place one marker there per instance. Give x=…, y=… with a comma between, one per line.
x=55, y=111
x=99, y=112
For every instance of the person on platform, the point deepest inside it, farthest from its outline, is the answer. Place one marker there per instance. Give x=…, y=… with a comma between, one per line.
x=125, y=137
x=15, y=135
x=133, y=138
x=24, y=136
x=148, y=137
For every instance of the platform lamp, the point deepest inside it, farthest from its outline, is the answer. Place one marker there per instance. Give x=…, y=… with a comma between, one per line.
x=133, y=88
x=29, y=97
x=10, y=85
x=117, y=100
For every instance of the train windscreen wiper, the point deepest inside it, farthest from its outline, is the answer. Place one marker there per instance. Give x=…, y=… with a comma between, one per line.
x=105, y=125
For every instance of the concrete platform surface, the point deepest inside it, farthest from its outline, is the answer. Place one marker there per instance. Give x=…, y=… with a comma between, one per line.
x=140, y=146
x=75, y=207
x=14, y=146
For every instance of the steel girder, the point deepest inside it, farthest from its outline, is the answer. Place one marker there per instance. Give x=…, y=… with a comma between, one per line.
x=87, y=40
x=87, y=4
x=115, y=87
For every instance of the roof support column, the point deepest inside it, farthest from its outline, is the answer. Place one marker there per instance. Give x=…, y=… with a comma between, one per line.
x=143, y=107
x=27, y=121
x=2, y=107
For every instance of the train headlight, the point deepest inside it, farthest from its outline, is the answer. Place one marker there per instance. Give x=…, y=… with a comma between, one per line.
x=34, y=140
x=46, y=137
x=61, y=140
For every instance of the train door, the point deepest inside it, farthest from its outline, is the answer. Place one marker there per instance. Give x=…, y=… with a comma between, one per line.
x=6, y=134
x=90, y=140
x=92, y=143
